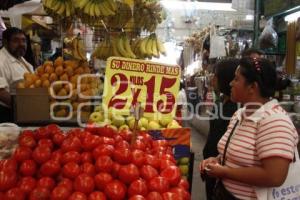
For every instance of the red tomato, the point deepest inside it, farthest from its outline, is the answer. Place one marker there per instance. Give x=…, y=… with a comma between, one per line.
x=183, y=183
x=60, y=193
x=41, y=133
x=8, y=165
x=28, y=168
x=58, y=138
x=57, y=155
x=8, y=179
x=168, y=156
x=115, y=190
x=139, y=144
x=158, y=184
x=97, y=196
x=102, y=179
x=126, y=135
x=172, y=174
x=138, y=157
x=153, y=161
x=2, y=196
x=67, y=183
x=104, y=164
x=148, y=172
x=123, y=156
x=45, y=143
x=22, y=153
x=41, y=154
x=103, y=150
x=122, y=145
x=84, y=183
x=86, y=157
x=39, y=193
x=14, y=194
x=53, y=128
x=170, y=196
x=166, y=163
x=106, y=131
x=78, y=196
x=182, y=193
x=46, y=182
x=154, y=196
x=107, y=140
x=71, y=170
x=71, y=156
x=115, y=169
x=88, y=168
x=138, y=187
x=128, y=173
x=137, y=197
x=27, y=184
x=50, y=168
x=71, y=144
x=26, y=139
x=159, y=143
x=117, y=138
x=90, y=142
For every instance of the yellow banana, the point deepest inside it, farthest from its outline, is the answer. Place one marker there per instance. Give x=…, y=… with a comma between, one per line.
x=81, y=3
x=106, y=6
x=87, y=7
x=92, y=10
x=160, y=47
x=115, y=51
x=149, y=46
x=62, y=9
x=143, y=46
x=81, y=49
x=68, y=8
x=56, y=6
x=121, y=48
x=75, y=50
x=112, y=4
x=155, y=52
x=97, y=10
x=127, y=47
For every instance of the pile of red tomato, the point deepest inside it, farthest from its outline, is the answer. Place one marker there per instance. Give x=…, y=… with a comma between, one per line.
x=90, y=164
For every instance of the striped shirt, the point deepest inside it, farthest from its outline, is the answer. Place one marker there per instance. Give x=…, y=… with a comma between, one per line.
x=268, y=132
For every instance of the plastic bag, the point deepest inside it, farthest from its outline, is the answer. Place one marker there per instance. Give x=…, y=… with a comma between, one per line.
x=9, y=134
x=217, y=45
x=269, y=37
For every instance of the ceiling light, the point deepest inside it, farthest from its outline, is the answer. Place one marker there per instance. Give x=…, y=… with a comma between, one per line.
x=195, y=5
x=292, y=17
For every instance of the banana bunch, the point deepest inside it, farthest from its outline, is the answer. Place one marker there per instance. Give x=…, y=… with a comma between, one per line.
x=114, y=46
x=121, y=18
x=148, y=14
x=96, y=8
x=103, y=50
x=59, y=8
x=148, y=47
x=78, y=48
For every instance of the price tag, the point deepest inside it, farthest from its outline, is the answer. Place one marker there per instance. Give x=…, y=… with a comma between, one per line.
x=154, y=85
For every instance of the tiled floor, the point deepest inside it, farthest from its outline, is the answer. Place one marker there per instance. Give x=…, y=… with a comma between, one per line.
x=198, y=141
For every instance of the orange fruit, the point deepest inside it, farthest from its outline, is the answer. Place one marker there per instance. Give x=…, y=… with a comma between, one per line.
x=59, y=61
x=38, y=83
x=46, y=83
x=59, y=70
x=64, y=77
x=45, y=77
x=40, y=70
x=69, y=70
x=49, y=69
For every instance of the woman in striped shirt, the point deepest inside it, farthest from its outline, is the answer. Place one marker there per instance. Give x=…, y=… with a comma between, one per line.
x=264, y=140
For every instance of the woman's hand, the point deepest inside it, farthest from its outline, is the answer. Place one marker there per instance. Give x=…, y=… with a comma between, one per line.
x=204, y=163
x=215, y=170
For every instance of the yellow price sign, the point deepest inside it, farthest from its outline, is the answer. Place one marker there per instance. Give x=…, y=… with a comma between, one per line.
x=154, y=85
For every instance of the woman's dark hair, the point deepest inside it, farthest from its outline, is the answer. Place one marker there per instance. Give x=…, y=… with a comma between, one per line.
x=224, y=72
x=263, y=72
x=8, y=33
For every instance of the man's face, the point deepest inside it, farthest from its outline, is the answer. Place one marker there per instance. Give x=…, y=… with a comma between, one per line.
x=17, y=45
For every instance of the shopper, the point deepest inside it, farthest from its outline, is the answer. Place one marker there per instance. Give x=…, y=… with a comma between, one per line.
x=12, y=67
x=252, y=53
x=181, y=110
x=221, y=114
x=263, y=138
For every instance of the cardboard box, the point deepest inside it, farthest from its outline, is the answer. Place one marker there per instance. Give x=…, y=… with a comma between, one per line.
x=31, y=105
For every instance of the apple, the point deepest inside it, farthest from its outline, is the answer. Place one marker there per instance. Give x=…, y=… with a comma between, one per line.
x=153, y=125
x=143, y=122
x=173, y=124
x=184, y=160
x=164, y=121
x=118, y=120
x=124, y=127
x=184, y=169
x=96, y=117
x=131, y=123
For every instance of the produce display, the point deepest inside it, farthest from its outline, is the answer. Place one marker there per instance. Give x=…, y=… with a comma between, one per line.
x=100, y=118
x=77, y=83
x=75, y=48
x=94, y=163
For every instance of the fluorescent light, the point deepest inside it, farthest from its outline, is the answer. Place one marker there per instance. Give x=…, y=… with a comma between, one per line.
x=249, y=17
x=292, y=17
x=195, y=5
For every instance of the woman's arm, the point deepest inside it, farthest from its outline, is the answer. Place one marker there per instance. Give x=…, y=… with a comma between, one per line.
x=272, y=173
